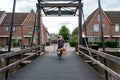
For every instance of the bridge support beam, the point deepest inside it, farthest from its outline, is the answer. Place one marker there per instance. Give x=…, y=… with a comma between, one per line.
x=102, y=36
x=80, y=39
x=39, y=26
x=31, y=44
x=10, y=39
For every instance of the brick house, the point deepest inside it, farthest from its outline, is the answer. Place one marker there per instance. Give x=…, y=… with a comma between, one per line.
x=111, y=26
x=22, y=30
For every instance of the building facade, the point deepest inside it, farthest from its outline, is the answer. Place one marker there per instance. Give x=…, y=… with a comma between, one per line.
x=111, y=26
x=22, y=30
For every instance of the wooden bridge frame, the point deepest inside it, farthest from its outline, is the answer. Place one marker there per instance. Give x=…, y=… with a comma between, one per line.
x=78, y=6
x=40, y=6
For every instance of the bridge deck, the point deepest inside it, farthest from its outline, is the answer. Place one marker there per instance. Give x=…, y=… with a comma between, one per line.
x=48, y=67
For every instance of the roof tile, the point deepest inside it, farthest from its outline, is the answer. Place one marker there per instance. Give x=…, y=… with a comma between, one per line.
x=18, y=18
x=1, y=12
x=114, y=16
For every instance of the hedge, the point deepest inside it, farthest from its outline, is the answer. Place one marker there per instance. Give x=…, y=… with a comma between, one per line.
x=47, y=43
x=111, y=44
x=73, y=43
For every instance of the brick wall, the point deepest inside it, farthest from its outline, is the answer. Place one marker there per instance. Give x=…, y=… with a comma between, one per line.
x=23, y=30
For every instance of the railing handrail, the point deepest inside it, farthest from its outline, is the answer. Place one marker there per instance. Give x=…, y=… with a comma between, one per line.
x=10, y=54
x=15, y=63
x=105, y=55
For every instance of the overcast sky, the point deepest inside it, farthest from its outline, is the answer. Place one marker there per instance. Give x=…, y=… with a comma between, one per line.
x=54, y=23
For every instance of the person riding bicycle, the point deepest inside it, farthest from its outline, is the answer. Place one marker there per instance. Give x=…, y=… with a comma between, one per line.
x=60, y=46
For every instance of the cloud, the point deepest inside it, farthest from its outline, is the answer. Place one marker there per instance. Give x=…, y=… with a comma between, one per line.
x=54, y=23
x=6, y=5
x=90, y=5
x=111, y=5
x=64, y=22
x=21, y=5
x=25, y=5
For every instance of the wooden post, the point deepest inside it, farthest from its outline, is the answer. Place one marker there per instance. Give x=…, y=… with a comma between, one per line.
x=39, y=26
x=10, y=38
x=80, y=40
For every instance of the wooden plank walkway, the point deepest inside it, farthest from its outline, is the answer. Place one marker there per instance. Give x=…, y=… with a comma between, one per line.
x=48, y=67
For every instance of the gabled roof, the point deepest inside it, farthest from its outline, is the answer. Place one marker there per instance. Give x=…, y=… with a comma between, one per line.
x=1, y=12
x=90, y=17
x=18, y=18
x=113, y=16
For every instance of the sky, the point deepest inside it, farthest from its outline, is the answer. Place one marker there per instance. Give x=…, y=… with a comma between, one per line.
x=53, y=24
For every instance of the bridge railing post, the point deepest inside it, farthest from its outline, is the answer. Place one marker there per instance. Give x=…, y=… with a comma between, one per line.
x=10, y=39
x=102, y=36
x=80, y=42
x=39, y=25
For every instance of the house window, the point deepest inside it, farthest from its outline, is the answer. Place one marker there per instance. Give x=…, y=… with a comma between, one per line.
x=98, y=18
x=14, y=28
x=29, y=27
x=36, y=28
x=117, y=28
x=96, y=28
x=96, y=39
x=103, y=26
x=93, y=39
x=6, y=29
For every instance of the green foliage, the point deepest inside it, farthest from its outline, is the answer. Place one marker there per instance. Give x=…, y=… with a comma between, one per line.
x=15, y=44
x=73, y=43
x=98, y=43
x=47, y=43
x=75, y=37
x=75, y=31
x=2, y=45
x=65, y=32
x=111, y=44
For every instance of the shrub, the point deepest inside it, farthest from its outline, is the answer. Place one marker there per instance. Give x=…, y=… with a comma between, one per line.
x=98, y=43
x=2, y=45
x=73, y=43
x=111, y=44
x=47, y=43
x=15, y=44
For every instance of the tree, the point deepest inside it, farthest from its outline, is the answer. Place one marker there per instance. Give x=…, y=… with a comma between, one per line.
x=65, y=32
x=74, y=41
x=75, y=34
x=75, y=31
